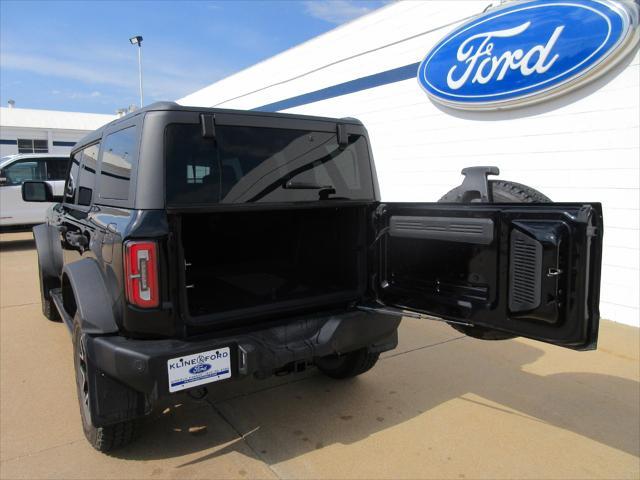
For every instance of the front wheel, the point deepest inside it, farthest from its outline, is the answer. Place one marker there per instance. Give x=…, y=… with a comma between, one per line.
x=348, y=365
x=103, y=439
x=503, y=191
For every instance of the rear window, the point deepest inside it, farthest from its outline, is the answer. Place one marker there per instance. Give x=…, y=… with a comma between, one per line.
x=254, y=164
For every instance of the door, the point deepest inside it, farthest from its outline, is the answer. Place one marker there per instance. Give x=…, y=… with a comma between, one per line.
x=532, y=270
x=13, y=210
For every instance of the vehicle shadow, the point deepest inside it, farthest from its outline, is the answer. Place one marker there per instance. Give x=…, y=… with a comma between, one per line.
x=17, y=245
x=279, y=423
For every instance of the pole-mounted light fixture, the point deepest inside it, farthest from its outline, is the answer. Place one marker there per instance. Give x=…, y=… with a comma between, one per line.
x=137, y=40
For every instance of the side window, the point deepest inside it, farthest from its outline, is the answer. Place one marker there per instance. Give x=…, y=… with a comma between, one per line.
x=87, y=180
x=28, y=145
x=72, y=178
x=118, y=153
x=22, y=170
x=57, y=168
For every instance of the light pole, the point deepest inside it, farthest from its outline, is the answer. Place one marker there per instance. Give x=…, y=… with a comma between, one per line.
x=137, y=40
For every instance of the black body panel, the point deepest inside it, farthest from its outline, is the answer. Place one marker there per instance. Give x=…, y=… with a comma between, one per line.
x=142, y=364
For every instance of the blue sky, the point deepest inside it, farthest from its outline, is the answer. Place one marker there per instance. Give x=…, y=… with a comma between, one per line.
x=76, y=55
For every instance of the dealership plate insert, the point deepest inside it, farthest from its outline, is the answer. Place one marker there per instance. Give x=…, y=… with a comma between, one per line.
x=198, y=369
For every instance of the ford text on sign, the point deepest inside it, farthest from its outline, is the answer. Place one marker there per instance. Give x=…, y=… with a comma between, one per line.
x=528, y=51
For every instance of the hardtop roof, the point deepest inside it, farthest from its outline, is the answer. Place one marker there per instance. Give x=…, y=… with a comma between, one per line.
x=172, y=106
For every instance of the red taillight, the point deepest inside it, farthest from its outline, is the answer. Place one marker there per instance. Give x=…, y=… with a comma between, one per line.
x=141, y=273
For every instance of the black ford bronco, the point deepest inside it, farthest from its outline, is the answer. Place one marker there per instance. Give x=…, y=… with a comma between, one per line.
x=194, y=246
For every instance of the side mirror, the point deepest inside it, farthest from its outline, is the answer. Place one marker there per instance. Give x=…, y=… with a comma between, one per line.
x=33, y=191
x=3, y=178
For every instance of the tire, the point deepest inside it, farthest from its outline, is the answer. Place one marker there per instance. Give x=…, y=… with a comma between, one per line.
x=503, y=191
x=348, y=365
x=103, y=439
x=49, y=310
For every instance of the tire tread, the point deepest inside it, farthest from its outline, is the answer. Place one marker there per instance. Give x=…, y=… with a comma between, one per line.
x=50, y=311
x=115, y=436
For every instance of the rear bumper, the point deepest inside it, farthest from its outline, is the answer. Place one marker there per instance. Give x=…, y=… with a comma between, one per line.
x=142, y=364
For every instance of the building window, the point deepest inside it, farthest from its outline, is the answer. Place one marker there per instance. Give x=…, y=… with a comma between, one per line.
x=28, y=145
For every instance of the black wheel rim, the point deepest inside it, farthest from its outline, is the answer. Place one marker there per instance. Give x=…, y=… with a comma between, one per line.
x=82, y=376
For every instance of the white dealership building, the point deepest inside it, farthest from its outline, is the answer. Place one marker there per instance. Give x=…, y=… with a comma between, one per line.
x=582, y=145
x=25, y=130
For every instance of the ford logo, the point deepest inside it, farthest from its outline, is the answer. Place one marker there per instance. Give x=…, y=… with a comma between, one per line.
x=528, y=51
x=201, y=367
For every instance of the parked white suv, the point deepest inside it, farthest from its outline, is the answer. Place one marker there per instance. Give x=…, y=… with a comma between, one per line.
x=14, y=170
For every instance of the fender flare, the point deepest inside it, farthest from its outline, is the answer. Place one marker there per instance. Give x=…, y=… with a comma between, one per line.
x=49, y=250
x=93, y=302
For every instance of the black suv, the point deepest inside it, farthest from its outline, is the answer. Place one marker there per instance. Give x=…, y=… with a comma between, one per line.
x=196, y=246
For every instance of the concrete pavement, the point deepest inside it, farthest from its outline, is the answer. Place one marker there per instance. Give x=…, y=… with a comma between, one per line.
x=440, y=406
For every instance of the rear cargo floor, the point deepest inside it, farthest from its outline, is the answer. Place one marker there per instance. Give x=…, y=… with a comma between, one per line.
x=220, y=290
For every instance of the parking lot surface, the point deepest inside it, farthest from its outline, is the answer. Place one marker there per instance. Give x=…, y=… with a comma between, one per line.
x=439, y=406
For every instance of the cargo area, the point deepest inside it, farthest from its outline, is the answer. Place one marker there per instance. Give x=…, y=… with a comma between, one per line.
x=257, y=263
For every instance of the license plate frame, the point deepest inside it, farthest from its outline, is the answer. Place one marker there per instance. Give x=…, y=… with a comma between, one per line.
x=193, y=370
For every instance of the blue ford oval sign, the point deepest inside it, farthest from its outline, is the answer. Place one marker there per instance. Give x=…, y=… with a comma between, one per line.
x=528, y=51
x=200, y=368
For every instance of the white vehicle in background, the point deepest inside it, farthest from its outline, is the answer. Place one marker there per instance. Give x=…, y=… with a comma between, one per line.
x=15, y=213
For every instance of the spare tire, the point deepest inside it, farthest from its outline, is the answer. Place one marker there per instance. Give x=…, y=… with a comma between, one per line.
x=502, y=191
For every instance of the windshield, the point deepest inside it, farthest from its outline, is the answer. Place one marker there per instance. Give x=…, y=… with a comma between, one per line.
x=255, y=164
x=5, y=160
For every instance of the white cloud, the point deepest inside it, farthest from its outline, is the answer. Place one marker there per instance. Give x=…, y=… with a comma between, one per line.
x=167, y=77
x=336, y=11
x=81, y=95
x=47, y=65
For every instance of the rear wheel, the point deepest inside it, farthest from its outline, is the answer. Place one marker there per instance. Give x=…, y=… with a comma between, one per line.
x=49, y=310
x=103, y=439
x=348, y=365
x=502, y=191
